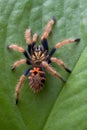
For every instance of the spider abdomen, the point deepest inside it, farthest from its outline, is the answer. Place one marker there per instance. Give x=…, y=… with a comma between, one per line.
x=36, y=78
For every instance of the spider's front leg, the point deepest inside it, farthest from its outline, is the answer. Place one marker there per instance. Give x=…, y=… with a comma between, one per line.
x=29, y=41
x=52, y=71
x=28, y=37
x=18, y=48
x=19, y=85
x=46, y=33
x=48, y=29
x=60, y=44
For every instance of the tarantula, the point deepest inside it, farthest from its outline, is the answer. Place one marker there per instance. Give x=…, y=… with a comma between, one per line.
x=39, y=58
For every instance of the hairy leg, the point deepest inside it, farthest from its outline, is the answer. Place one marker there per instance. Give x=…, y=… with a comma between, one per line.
x=52, y=71
x=46, y=33
x=60, y=44
x=29, y=41
x=28, y=36
x=48, y=29
x=18, y=87
x=35, y=37
x=18, y=48
x=17, y=63
x=60, y=62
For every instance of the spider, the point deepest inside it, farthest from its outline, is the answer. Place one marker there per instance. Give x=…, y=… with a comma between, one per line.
x=39, y=58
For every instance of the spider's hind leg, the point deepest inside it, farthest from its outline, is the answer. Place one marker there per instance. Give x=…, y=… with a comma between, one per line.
x=19, y=85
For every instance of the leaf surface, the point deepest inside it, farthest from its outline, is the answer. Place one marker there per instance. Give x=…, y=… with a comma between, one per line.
x=58, y=105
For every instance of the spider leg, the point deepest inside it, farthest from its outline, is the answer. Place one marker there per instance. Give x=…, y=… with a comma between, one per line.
x=60, y=62
x=45, y=44
x=19, y=85
x=18, y=48
x=35, y=37
x=28, y=36
x=48, y=29
x=60, y=44
x=46, y=33
x=29, y=41
x=52, y=71
x=19, y=62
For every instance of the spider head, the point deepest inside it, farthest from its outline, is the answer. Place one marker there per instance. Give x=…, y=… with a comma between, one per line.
x=38, y=48
x=38, y=55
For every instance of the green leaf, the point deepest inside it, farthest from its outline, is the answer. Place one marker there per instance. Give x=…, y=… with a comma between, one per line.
x=69, y=111
x=58, y=106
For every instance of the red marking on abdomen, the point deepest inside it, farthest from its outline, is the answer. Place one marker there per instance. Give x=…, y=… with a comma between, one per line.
x=37, y=79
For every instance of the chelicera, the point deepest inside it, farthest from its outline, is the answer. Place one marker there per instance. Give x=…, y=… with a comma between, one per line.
x=39, y=58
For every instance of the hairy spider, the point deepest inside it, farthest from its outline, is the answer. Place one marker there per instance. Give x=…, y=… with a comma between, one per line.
x=39, y=58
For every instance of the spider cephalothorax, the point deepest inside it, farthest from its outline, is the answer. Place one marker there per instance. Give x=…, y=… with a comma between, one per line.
x=38, y=55
x=39, y=58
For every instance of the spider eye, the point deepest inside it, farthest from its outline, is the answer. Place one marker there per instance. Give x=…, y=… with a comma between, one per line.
x=38, y=48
